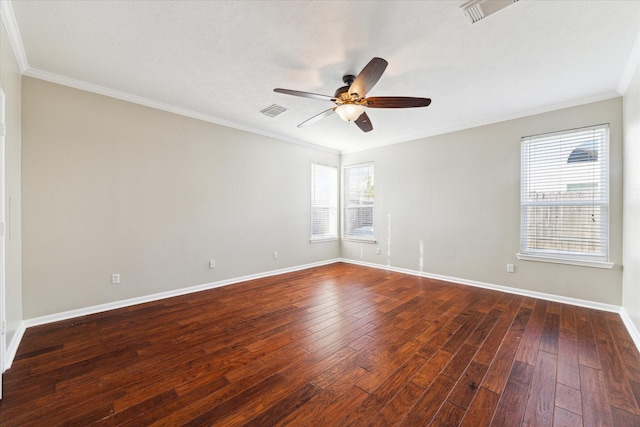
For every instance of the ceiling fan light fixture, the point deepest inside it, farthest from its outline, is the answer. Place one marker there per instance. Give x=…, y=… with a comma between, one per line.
x=350, y=112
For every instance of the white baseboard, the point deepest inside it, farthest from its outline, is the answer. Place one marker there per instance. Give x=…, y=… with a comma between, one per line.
x=36, y=321
x=631, y=327
x=533, y=294
x=12, y=348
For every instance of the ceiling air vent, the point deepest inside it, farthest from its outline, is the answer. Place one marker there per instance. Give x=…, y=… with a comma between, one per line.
x=273, y=110
x=476, y=10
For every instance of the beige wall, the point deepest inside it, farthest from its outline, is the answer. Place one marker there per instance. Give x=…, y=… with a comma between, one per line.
x=459, y=193
x=631, y=206
x=10, y=81
x=114, y=187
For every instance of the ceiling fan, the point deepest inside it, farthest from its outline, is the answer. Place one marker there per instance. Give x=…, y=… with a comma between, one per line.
x=350, y=99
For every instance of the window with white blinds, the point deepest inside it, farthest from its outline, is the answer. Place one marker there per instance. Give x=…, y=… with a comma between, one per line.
x=324, y=202
x=358, y=203
x=565, y=196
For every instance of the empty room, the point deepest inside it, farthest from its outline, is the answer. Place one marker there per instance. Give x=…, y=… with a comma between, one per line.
x=319, y=213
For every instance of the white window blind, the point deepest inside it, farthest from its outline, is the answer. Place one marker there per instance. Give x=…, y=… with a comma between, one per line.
x=324, y=202
x=358, y=201
x=565, y=195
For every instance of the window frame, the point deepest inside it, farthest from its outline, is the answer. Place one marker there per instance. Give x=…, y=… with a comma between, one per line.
x=346, y=205
x=328, y=237
x=602, y=203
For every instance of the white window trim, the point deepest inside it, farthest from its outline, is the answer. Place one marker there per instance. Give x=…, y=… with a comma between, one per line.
x=367, y=240
x=348, y=238
x=582, y=260
x=568, y=261
x=322, y=239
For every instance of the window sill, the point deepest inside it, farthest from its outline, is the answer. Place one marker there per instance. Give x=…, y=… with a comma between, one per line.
x=556, y=260
x=323, y=239
x=370, y=240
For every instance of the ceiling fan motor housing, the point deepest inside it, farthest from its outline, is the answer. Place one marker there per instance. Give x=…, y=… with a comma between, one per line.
x=347, y=79
x=340, y=91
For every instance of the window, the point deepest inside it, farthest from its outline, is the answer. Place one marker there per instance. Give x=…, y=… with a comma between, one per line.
x=565, y=197
x=358, y=201
x=324, y=202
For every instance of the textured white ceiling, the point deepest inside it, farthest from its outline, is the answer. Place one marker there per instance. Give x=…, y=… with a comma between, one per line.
x=221, y=60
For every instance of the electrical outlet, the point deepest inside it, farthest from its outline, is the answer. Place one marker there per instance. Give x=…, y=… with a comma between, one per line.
x=510, y=268
x=115, y=279
x=275, y=255
x=212, y=263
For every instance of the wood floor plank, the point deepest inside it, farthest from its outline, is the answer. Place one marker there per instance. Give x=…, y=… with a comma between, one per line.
x=595, y=405
x=429, y=403
x=568, y=398
x=500, y=368
x=379, y=398
x=230, y=406
x=512, y=403
x=614, y=370
x=342, y=405
x=449, y=415
x=568, y=363
x=521, y=372
x=513, y=310
x=143, y=413
x=485, y=327
x=564, y=418
x=330, y=345
x=625, y=419
x=568, y=367
x=625, y=345
x=528, y=348
x=334, y=389
x=430, y=371
x=482, y=408
x=467, y=386
x=587, y=349
x=539, y=410
x=550, y=333
x=459, y=362
x=635, y=386
x=283, y=407
x=399, y=406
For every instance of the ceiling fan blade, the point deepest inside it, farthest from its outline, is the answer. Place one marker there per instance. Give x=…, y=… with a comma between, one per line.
x=396, y=102
x=317, y=117
x=368, y=77
x=305, y=94
x=364, y=123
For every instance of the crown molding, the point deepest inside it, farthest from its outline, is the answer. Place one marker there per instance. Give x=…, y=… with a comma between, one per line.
x=500, y=118
x=8, y=17
x=10, y=23
x=630, y=68
x=9, y=20
x=123, y=96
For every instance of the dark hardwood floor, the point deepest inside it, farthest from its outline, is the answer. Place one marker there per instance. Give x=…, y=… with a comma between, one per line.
x=333, y=345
